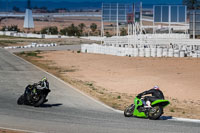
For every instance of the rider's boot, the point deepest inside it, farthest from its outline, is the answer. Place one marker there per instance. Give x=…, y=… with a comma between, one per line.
x=148, y=104
x=46, y=100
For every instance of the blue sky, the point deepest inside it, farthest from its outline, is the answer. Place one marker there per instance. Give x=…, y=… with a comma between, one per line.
x=94, y=4
x=125, y=1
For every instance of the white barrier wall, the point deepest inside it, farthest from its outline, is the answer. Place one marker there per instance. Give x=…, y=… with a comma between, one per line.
x=15, y=34
x=30, y=35
x=95, y=38
x=140, y=52
x=152, y=39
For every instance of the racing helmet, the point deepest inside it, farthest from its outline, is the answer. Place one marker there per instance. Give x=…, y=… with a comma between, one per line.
x=156, y=87
x=44, y=79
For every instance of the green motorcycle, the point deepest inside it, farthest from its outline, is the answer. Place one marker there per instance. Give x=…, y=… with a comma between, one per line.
x=139, y=110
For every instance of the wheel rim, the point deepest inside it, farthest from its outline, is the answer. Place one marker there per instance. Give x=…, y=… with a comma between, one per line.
x=129, y=110
x=154, y=111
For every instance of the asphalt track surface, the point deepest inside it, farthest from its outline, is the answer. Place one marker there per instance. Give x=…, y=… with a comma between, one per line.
x=67, y=110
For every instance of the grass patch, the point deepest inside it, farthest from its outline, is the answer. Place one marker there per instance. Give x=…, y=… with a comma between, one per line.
x=172, y=110
x=118, y=97
x=69, y=70
x=89, y=84
x=8, y=37
x=115, y=105
x=30, y=54
x=101, y=92
x=38, y=51
x=12, y=37
x=22, y=53
x=7, y=42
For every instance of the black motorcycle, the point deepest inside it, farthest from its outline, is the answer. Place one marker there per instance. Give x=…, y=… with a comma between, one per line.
x=34, y=96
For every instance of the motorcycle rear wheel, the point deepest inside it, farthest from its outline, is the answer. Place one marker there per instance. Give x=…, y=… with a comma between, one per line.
x=155, y=112
x=128, y=112
x=40, y=102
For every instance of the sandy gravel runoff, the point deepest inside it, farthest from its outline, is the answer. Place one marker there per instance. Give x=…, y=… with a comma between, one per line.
x=10, y=131
x=178, y=78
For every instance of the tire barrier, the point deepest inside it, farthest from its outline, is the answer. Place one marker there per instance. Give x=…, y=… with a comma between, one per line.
x=147, y=52
x=140, y=51
x=176, y=53
x=153, y=52
x=136, y=52
x=159, y=52
x=32, y=45
x=165, y=52
x=171, y=52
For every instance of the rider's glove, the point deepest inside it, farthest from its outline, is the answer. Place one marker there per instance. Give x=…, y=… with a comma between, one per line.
x=139, y=95
x=35, y=84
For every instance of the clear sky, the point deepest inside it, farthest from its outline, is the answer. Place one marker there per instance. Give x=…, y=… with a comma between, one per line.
x=125, y=1
x=90, y=4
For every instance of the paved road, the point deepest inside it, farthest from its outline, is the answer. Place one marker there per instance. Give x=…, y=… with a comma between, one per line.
x=62, y=47
x=67, y=110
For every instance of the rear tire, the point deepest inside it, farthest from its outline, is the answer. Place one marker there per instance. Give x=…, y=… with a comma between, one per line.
x=20, y=100
x=40, y=102
x=155, y=112
x=128, y=112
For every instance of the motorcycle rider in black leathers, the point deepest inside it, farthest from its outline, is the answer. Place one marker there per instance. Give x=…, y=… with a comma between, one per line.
x=43, y=84
x=156, y=94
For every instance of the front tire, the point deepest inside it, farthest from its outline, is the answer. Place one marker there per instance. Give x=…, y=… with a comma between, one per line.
x=155, y=112
x=21, y=100
x=128, y=112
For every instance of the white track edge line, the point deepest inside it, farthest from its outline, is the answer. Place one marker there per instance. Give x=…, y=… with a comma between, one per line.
x=184, y=120
x=20, y=130
x=108, y=107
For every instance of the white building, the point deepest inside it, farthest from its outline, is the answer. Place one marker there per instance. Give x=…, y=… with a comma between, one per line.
x=28, y=20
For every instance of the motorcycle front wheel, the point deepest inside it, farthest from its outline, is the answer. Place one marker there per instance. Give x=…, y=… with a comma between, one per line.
x=155, y=112
x=128, y=112
x=20, y=100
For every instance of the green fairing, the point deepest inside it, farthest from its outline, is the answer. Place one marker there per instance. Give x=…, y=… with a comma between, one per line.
x=140, y=110
x=162, y=102
x=136, y=112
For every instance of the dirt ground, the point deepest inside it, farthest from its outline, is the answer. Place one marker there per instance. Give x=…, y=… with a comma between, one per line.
x=18, y=41
x=117, y=80
x=9, y=131
x=60, y=23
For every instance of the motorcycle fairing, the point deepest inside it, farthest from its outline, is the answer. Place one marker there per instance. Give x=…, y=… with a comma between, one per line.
x=138, y=103
x=161, y=102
